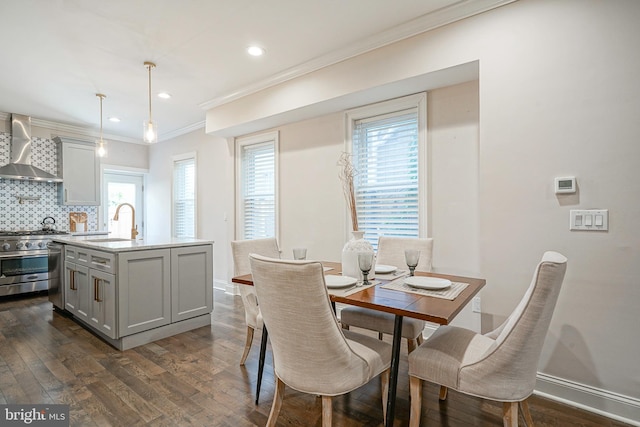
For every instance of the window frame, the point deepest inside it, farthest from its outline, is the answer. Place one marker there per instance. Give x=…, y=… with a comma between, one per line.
x=419, y=102
x=240, y=142
x=174, y=160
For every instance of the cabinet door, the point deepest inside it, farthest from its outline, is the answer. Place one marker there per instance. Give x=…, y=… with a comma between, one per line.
x=144, y=290
x=191, y=282
x=70, y=288
x=103, y=302
x=80, y=175
x=76, y=287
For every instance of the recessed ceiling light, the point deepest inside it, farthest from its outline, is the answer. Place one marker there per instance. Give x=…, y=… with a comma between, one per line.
x=255, y=51
x=164, y=95
x=114, y=119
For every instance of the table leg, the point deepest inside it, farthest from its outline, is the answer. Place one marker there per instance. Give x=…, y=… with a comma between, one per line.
x=263, y=351
x=393, y=376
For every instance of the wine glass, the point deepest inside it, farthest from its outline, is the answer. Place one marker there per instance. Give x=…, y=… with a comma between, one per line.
x=365, y=261
x=411, y=256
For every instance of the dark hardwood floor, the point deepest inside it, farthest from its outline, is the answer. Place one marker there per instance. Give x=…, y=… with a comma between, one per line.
x=194, y=379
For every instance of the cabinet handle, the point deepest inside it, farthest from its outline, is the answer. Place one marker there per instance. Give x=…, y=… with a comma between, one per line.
x=96, y=289
x=100, y=261
x=65, y=195
x=72, y=280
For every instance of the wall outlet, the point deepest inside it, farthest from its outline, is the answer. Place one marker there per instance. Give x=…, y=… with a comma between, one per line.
x=475, y=305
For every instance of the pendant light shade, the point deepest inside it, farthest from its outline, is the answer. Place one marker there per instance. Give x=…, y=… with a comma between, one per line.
x=101, y=144
x=150, y=126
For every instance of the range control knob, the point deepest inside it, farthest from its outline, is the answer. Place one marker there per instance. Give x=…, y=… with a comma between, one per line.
x=42, y=244
x=19, y=245
x=28, y=244
x=6, y=246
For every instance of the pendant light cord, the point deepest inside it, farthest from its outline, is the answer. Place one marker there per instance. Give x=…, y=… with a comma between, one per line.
x=149, y=66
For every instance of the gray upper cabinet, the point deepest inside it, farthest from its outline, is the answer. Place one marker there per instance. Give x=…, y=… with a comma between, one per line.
x=79, y=168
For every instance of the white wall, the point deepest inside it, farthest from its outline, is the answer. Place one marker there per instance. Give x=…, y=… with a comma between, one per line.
x=214, y=180
x=558, y=95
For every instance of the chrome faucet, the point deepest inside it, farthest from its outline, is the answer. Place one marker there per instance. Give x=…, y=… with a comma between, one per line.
x=134, y=227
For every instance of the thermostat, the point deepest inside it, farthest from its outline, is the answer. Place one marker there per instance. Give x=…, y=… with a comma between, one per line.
x=565, y=185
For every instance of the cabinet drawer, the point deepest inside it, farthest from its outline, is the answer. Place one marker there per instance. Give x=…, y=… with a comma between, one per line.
x=103, y=261
x=76, y=254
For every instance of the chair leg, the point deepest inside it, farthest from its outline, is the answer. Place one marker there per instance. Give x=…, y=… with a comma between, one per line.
x=344, y=326
x=277, y=403
x=524, y=408
x=380, y=336
x=411, y=345
x=443, y=393
x=247, y=345
x=420, y=340
x=327, y=411
x=510, y=414
x=415, y=386
x=384, y=389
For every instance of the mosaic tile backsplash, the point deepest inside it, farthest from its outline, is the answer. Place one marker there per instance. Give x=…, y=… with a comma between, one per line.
x=29, y=214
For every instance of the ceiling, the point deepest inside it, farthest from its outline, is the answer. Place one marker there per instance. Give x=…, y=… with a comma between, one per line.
x=59, y=53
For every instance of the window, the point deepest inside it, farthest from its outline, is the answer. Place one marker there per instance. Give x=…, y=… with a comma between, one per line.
x=184, y=195
x=256, y=173
x=388, y=149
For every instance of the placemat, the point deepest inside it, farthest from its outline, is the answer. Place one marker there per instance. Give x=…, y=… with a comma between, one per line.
x=345, y=292
x=449, y=293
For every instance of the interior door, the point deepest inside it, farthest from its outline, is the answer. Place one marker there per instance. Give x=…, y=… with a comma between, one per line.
x=123, y=187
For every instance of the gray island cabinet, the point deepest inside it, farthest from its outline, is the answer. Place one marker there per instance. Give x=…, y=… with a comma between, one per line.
x=132, y=292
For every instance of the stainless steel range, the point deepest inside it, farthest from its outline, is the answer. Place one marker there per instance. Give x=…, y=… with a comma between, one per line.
x=24, y=261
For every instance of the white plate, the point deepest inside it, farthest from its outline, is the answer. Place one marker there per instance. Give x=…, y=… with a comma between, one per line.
x=334, y=281
x=427, y=282
x=385, y=269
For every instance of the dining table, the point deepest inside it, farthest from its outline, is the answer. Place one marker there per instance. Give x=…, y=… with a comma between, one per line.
x=401, y=304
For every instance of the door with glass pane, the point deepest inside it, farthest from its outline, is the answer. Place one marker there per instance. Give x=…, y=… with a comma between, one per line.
x=120, y=187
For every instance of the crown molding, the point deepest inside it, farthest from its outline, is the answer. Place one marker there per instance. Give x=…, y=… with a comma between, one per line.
x=183, y=130
x=456, y=12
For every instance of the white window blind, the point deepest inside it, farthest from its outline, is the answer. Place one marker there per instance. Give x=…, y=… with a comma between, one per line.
x=184, y=197
x=258, y=197
x=385, y=154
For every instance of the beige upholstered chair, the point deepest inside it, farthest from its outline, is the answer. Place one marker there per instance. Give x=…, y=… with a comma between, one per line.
x=500, y=365
x=241, y=250
x=311, y=353
x=391, y=252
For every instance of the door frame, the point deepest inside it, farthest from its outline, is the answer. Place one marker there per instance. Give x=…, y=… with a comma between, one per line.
x=129, y=171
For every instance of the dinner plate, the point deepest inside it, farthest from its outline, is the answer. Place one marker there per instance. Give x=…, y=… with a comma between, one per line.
x=427, y=282
x=385, y=269
x=334, y=281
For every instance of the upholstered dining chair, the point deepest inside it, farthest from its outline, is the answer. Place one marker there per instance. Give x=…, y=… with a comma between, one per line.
x=391, y=252
x=241, y=250
x=500, y=365
x=311, y=353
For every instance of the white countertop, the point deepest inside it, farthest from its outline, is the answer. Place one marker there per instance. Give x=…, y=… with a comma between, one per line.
x=105, y=243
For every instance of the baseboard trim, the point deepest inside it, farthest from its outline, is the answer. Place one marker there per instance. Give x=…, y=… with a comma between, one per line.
x=602, y=402
x=223, y=285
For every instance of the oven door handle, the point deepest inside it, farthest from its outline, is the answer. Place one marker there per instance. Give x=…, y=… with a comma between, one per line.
x=30, y=254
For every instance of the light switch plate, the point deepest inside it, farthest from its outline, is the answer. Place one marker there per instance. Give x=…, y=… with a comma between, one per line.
x=589, y=219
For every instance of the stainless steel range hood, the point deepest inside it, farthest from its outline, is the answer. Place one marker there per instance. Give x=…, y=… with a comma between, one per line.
x=20, y=154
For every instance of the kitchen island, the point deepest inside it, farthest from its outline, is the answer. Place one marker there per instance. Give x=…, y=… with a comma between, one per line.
x=132, y=292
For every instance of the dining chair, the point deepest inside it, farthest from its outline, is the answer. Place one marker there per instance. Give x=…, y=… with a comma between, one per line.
x=241, y=250
x=500, y=365
x=391, y=252
x=311, y=353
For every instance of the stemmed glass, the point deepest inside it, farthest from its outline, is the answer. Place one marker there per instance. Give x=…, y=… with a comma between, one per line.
x=365, y=261
x=411, y=256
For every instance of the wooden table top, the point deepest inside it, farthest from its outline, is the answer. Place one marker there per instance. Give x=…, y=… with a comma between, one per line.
x=432, y=309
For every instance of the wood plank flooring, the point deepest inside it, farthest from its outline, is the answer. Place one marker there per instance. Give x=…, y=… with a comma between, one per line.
x=193, y=379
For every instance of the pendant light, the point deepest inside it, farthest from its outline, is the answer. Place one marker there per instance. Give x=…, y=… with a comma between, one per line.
x=150, y=127
x=101, y=145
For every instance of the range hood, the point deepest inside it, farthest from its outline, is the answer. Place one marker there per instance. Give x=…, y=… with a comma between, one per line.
x=20, y=154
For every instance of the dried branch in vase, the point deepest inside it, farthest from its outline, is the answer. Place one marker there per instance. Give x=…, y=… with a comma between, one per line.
x=347, y=172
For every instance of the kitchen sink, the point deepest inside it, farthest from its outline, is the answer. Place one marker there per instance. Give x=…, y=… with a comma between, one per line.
x=108, y=239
